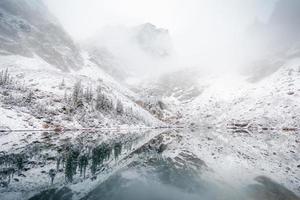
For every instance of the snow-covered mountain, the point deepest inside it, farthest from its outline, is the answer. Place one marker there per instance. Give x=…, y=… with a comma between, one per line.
x=183, y=85
x=28, y=29
x=156, y=41
x=264, y=93
x=284, y=25
x=108, y=62
x=126, y=52
x=270, y=103
x=268, y=45
x=49, y=84
x=39, y=59
x=71, y=129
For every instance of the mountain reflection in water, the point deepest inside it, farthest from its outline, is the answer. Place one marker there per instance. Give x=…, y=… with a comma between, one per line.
x=152, y=165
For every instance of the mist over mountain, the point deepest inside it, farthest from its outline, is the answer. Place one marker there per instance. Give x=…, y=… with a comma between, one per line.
x=37, y=51
x=27, y=28
x=270, y=44
x=155, y=41
x=136, y=50
x=166, y=100
x=284, y=23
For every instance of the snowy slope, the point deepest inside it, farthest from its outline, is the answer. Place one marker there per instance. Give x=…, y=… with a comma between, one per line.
x=36, y=52
x=268, y=45
x=273, y=102
x=37, y=74
x=27, y=28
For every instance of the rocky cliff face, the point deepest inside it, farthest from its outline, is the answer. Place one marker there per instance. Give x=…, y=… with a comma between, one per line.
x=28, y=29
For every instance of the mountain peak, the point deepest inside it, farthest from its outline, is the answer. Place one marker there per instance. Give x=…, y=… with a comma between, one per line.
x=156, y=41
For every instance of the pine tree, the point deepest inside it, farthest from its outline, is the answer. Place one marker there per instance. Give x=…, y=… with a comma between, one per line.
x=88, y=95
x=83, y=162
x=99, y=155
x=29, y=97
x=99, y=100
x=119, y=108
x=52, y=174
x=19, y=162
x=77, y=95
x=69, y=169
x=58, y=160
x=5, y=78
x=62, y=84
x=71, y=164
x=117, y=149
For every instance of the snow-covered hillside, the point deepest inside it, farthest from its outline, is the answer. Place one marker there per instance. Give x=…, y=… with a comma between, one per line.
x=28, y=29
x=44, y=64
x=267, y=95
x=273, y=102
x=50, y=87
x=268, y=45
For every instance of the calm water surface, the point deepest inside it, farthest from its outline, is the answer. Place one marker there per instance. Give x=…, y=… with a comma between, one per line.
x=153, y=165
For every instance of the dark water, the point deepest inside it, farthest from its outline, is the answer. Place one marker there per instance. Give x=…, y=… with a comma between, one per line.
x=152, y=165
x=158, y=179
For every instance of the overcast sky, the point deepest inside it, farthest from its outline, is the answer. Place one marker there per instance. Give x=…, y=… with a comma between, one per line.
x=197, y=27
x=83, y=17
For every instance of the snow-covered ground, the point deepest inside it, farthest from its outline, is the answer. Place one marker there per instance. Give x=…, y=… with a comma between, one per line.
x=273, y=102
x=46, y=82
